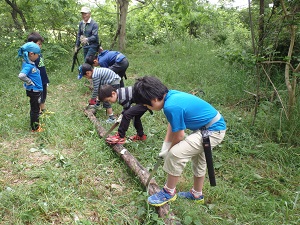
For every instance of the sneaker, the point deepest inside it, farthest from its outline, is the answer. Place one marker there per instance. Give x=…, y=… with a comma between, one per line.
x=39, y=129
x=111, y=120
x=138, y=138
x=45, y=111
x=161, y=198
x=98, y=105
x=190, y=196
x=116, y=139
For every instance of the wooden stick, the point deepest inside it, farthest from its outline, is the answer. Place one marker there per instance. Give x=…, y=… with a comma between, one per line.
x=136, y=167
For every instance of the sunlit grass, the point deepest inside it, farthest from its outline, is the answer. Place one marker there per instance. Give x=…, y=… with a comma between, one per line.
x=68, y=175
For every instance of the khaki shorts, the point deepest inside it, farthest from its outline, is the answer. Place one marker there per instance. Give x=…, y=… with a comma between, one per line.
x=190, y=149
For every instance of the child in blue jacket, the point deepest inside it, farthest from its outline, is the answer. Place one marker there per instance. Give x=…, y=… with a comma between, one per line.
x=39, y=63
x=114, y=60
x=30, y=74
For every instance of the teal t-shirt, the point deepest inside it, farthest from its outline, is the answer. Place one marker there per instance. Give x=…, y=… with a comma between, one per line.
x=187, y=111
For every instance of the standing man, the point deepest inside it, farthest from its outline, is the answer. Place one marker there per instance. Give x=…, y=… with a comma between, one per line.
x=87, y=34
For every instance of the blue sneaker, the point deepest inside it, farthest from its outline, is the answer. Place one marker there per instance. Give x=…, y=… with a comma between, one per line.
x=190, y=196
x=161, y=198
x=111, y=120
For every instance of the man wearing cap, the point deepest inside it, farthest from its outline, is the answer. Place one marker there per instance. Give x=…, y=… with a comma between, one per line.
x=87, y=34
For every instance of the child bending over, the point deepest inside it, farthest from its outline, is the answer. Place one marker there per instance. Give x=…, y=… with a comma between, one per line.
x=183, y=111
x=123, y=96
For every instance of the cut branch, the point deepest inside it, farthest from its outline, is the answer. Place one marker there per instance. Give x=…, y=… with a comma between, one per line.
x=281, y=102
x=136, y=167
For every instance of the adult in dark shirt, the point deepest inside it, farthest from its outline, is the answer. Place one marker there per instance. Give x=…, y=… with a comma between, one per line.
x=87, y=34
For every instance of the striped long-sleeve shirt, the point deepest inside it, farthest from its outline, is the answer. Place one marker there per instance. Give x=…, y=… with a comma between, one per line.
x=125, y=97
x=102, y=76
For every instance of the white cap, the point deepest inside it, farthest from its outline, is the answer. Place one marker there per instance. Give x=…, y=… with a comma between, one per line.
x=85, y=9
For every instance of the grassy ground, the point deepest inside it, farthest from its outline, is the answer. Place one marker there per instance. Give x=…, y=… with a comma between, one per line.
x=67, y=175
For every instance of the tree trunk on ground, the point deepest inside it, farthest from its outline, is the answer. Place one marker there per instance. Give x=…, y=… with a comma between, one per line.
x=136, y=167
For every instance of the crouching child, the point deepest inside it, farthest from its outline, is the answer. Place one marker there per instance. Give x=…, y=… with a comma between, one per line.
x=123, y=96
x=100, y=76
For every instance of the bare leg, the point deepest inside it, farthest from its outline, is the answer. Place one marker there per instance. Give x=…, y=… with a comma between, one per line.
x=169, y=136
x=172, y=181
x=109, y=111
x=198, y=183
x=42, y=107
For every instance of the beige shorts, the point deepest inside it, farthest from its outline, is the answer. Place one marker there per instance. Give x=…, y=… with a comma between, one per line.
x=190, y=149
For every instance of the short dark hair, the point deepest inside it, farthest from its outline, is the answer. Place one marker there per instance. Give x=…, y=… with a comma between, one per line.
x=148, y=88
x=90, y=59
x=86, y=67
x=105, y=91
x=35, y=37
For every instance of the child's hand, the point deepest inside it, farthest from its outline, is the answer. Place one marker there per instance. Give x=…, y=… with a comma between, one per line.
x=92, y=101
x=84, y=41
x=164, y=149
x=120, y=118
x=30, y=82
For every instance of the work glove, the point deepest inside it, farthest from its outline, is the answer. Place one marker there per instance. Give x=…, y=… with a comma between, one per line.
x=92, y=101
x=119, y=118
x=84, y=40
x=164, y=149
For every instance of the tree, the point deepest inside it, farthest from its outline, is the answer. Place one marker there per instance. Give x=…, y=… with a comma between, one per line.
x=15, y=12
x=123, y=8
x=289, y=72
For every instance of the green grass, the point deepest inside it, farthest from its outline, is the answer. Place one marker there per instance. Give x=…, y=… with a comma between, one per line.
x=68, y=175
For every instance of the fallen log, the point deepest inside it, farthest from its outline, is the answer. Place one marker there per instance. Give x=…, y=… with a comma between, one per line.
x=136, y=167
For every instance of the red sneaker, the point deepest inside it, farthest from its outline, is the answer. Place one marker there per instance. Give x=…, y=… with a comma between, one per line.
x=116, y=139
x=138, y=138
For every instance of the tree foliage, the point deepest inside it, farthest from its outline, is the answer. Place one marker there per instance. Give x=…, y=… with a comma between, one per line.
x=275, y=45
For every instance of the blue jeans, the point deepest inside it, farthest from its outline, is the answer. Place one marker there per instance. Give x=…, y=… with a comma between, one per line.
x=90, y=51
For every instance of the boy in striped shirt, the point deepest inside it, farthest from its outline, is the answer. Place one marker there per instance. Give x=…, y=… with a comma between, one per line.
x=100, y=76
x=124, y=97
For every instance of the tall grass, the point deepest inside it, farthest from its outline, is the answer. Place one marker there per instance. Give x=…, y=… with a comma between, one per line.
x=67, y=175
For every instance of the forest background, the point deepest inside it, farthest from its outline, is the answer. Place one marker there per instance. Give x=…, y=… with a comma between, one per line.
x=245, y=62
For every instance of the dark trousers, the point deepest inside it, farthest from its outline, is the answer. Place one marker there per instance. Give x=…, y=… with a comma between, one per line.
x=120, y=69
x=35, y=100
x=90, y=51
x=44, y=93
x=135, y=112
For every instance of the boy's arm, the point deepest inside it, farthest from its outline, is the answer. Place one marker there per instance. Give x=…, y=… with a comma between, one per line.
x=96, y=83
x=27, y=80
x=176, y=137
x=171, y=139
